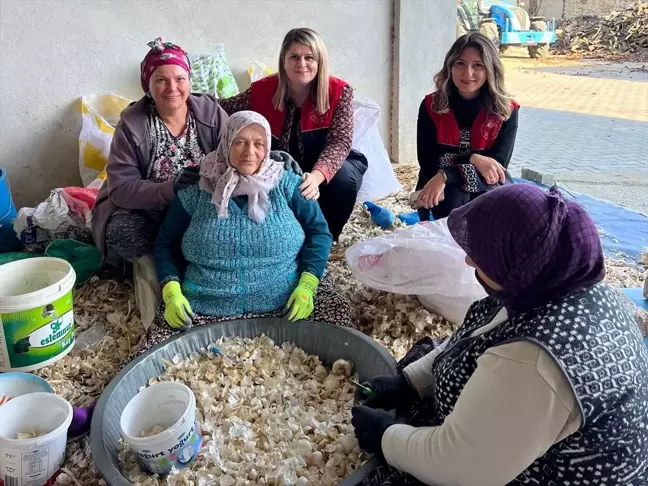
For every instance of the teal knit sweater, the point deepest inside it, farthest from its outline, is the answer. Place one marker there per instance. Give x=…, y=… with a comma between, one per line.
x=233, y=265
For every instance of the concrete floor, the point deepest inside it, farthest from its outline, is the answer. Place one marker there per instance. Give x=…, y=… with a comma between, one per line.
x=586, y=123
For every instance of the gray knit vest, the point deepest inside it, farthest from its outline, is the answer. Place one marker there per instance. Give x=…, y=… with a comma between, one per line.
x=594, y=339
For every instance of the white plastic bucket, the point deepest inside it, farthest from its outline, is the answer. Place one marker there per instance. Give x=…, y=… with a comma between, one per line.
x=36, y=313
x=13, y=385
x=172, y=406
x=33, y=462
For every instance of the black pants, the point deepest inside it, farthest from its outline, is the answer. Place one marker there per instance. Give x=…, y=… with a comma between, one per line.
x=453, y=197
x=338, y=197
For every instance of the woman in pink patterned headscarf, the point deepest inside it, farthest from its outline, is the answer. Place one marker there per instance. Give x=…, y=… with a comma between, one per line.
x=157, y=149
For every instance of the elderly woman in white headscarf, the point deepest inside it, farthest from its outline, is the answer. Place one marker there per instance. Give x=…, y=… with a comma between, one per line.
x=244, y=242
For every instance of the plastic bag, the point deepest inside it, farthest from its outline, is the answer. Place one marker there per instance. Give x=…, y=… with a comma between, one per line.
x=211, y=74
x=421, y=260
x=257, y=70
x=66, y=213
x=90, y=336
x=14, y=256
x=379, y=180
x=100, y=114
x=84, y=258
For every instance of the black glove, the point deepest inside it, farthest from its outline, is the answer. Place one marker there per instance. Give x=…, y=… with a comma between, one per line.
x=370, y=425
x=288, y=161
x=187, y=177
x=389, y=391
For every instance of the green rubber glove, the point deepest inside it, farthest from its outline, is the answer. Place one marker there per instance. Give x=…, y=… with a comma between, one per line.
x=177, y=310
x=300, y=304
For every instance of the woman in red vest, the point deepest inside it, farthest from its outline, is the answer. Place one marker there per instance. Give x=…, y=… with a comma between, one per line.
x=466, y=129
x=311, y=117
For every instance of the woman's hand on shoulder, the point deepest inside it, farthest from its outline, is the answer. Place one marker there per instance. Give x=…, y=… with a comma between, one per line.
x=187, y=177
x=490, y=169
x=310, y=186
x=287, y=160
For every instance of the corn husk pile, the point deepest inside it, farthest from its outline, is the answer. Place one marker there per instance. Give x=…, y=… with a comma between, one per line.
x=621, y=34
x=395, y=321
x=269, y=414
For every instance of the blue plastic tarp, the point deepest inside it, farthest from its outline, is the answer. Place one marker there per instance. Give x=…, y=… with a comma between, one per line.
x=624, y=232
x=636, y=296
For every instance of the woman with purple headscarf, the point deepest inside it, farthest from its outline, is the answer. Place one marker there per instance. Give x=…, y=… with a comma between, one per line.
x=546, y=381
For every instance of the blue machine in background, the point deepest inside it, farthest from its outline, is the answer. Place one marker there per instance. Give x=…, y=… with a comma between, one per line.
x=507, y=24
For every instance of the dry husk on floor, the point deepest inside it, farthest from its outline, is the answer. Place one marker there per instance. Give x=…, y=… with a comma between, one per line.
x=395, y=321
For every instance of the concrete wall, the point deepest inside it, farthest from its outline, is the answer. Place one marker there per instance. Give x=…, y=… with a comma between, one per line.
x=54, y=51
x=575, y=8
x=424, y=30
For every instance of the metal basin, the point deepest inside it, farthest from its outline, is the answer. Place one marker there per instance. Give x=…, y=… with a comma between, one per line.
x=327, y=341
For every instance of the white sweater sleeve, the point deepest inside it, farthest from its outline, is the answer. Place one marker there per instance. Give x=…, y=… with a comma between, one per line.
x=514, y=407
x=419, y=373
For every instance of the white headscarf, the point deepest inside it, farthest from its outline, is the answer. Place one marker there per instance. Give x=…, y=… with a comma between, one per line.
x=223, y=181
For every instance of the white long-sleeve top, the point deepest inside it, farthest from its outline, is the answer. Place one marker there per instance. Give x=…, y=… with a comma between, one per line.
x=514, y=407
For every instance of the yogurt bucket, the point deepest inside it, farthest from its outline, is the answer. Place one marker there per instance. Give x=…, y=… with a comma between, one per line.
x=169, y=406
x=36, y=313
x=13, y=385
x=33, y=461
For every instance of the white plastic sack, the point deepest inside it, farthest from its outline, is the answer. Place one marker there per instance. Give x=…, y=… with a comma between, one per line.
x=257, y=70
x=421, y=260
x=100, y=113
x=379, y=180
x=63, y=215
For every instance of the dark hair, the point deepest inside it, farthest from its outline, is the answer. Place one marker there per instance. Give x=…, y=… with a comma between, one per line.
x=497, y=100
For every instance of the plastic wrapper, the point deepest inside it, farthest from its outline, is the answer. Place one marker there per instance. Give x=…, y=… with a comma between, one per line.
x=379, y=181
x=421, y=260
x=100, y=113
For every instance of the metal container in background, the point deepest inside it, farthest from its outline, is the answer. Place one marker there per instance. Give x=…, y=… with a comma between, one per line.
x=327, y=341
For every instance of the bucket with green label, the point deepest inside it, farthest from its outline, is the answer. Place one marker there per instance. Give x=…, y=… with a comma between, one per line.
x=36, y=313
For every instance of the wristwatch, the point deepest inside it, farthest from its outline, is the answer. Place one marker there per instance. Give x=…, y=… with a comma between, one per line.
x=445, y=176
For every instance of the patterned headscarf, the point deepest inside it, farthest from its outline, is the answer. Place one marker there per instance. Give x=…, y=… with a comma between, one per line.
x=223, y=181
x=535, y=244
x=162, y=53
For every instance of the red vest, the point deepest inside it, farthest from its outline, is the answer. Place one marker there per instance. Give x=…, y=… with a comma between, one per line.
x=483, y=133
x=262, y=92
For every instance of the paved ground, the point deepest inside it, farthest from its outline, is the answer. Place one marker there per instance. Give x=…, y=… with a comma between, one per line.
x=586, y=123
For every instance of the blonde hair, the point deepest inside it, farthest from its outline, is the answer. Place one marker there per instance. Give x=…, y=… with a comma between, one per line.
x=496, y=99
x=320, y=85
